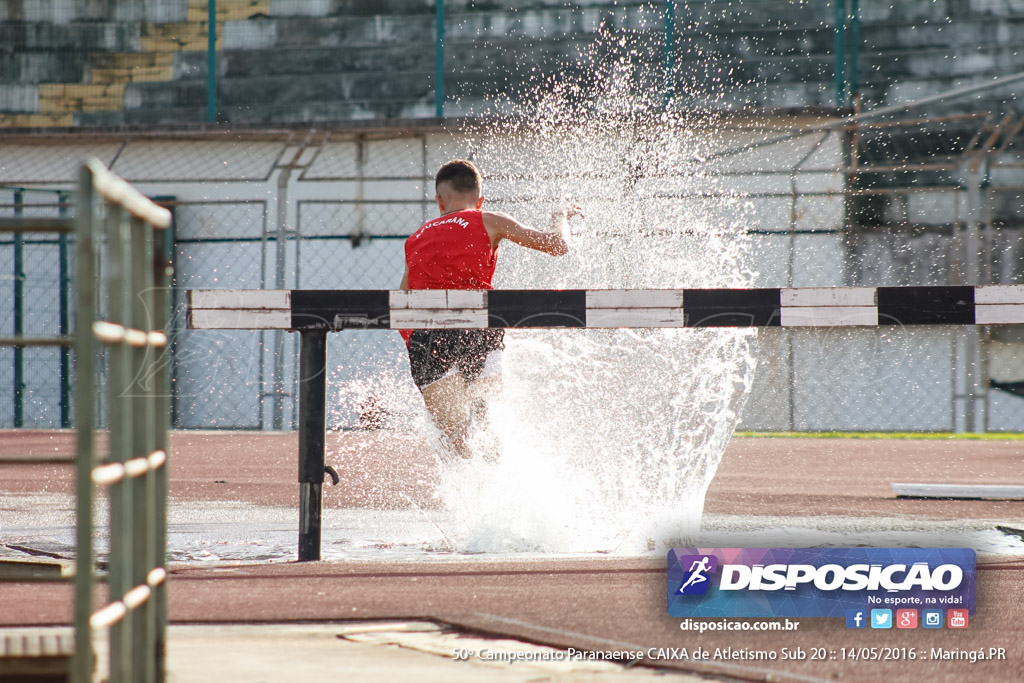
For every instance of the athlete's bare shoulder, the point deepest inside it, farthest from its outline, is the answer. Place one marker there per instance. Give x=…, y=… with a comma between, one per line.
x=497, y=216
x=498, y=225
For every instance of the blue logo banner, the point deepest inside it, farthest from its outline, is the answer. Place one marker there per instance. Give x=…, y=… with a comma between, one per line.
x=818, y=582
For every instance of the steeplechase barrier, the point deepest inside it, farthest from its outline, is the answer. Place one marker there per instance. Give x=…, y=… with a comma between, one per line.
x=314, y=313
x=122, y=270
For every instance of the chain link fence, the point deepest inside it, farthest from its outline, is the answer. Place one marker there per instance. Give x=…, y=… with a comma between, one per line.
x=35, y=285
x=331, y=210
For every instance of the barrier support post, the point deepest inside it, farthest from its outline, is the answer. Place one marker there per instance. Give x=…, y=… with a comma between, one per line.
x=312, y=424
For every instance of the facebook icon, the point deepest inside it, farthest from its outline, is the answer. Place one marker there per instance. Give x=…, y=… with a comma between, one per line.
x=856, y=618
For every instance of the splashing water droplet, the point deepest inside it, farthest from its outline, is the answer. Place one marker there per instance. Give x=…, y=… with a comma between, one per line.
x=608, y=439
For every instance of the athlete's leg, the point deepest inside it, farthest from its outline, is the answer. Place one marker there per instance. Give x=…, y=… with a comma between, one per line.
x=483, y=378
x=432, y=364
x=448, y=403
x=483, y=390
x=481, y=393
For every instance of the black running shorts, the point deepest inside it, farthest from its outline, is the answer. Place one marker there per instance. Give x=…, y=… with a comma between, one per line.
x=433, y=354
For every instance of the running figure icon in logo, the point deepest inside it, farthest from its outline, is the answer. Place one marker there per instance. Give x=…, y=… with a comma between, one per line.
x=696, y=582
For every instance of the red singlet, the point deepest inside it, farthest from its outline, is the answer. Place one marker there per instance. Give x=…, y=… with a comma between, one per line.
x=451, y=252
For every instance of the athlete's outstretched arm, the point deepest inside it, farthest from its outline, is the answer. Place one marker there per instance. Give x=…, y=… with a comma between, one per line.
x=501, y=226
x=405, y=279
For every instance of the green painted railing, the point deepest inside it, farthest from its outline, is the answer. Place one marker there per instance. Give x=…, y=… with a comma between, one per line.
x=114, y=220
x=439, y=59
x=131, y=284
x=19, y=226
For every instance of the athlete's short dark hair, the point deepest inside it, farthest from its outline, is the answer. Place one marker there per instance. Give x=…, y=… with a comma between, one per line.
x=462, y=175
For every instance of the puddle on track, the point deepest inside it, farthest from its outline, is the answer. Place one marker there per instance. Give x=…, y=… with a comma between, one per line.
x=202, y=533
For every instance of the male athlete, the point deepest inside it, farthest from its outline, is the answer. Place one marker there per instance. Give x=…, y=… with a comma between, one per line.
x=457, y=369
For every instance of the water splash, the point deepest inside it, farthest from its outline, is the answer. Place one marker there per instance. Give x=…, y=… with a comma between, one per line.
x=608, y=439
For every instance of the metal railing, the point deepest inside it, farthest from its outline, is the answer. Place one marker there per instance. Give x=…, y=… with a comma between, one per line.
x=133, y=281
x=20, y=245
x=18, y=226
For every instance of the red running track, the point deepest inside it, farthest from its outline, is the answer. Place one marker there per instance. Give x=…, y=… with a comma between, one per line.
x=589, y=603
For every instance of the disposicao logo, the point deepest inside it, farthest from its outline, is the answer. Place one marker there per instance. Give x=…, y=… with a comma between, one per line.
x=818, y=582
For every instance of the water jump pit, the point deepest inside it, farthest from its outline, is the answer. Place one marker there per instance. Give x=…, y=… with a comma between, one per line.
x=233, y=499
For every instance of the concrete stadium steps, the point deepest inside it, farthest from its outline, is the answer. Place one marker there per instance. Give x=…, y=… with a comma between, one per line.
x=67, y=98
x=290, y=91
x=176, y=37
x=755, y=42
x=282, y=112
x=377, y=7
x=377, y=55
x=945, y=63
x=36, y=120
x=977, y=29
x=320, y=60
x=242, y=63
x=227, y=10
x=101, y=81
x=94, y=89
x=21, y=37
x=130, y=67
x=333, y=110
x=286, y=89
x=22, y=69
x=351, y=32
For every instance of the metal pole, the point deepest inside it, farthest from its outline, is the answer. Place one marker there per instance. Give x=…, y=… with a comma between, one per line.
x=281, y=244
x=359, y=232
x=670, y=68
x=119, y=582
x=854, y=50
x=19, y=316
x=162, y=302
x=143, y=559
x=988, y=249
x=86, y=219
x=975, y=389
x=211, y=63
x=972, y=241
x=439, y=62
x=165, y=302
x=840, y=52
x=64, y=322
x=312, y=424
x=262, y=351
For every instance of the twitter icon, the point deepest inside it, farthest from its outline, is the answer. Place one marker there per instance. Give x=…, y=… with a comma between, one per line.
x=881, y=618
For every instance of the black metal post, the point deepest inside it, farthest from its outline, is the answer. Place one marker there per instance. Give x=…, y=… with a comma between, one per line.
x=64, y=313
x=312, y=425
x=19, y=316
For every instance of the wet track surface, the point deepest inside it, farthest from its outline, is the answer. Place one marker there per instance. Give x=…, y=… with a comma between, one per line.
x=230, y=553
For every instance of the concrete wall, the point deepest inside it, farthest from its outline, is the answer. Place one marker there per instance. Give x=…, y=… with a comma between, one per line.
x=230, y=201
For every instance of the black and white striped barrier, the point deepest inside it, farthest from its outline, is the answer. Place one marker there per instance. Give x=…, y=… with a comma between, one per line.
x=334, y=310
x=313, y=313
